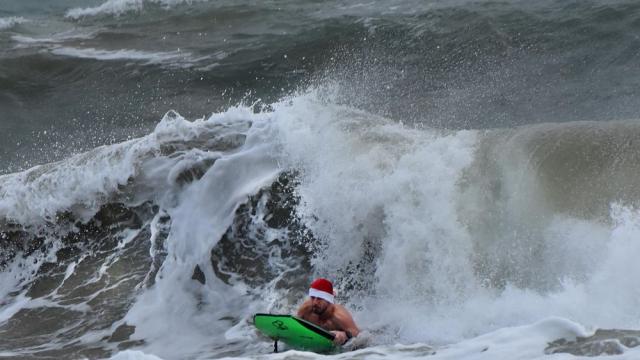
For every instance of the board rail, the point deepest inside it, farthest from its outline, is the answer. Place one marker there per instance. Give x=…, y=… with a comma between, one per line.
x=281, y=327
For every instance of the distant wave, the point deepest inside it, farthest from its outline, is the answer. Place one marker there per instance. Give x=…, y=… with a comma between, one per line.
x=8, y=23
x=111, y=7
x=119, y=7
x=175, y=58
x=74, y=34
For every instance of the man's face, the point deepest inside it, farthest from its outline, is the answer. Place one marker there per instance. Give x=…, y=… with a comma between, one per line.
x=318, y=305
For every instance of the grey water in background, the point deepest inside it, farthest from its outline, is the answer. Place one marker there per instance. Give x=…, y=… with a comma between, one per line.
x=444, y=64
x=553, y=83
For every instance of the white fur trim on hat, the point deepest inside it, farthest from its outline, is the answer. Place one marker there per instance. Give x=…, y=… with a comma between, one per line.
x=321, y=294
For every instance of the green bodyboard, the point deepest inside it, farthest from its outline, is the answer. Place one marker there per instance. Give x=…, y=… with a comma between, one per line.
x=297, y=333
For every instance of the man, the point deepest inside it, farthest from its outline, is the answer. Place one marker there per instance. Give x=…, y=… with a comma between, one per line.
x=321, y=310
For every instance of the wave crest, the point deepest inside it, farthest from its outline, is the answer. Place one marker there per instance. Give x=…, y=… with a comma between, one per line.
x=119, y=7
x=8, y=23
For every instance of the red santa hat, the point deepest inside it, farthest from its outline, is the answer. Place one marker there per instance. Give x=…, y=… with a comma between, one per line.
x=323, y=289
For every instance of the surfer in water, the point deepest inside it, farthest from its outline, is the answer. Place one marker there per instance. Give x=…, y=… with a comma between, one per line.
x=321, y=310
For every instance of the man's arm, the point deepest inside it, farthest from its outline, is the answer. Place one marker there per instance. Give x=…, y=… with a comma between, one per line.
x=346, y=321
x=347, y=325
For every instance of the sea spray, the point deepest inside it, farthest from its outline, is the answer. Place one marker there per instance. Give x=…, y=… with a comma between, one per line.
x=391, y=212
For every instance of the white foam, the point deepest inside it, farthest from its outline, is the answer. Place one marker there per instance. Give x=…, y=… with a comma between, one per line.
x=193, y=315
x=9, y=22
x=359, y=167
x=72, y=34
x=8, y=310
x=177, y=58
x=367, y=180
x=83, y=182
x=364, y=180
x=120, y=7
x=134, y=355
x=110, y=7
x=80, y=182
x=521, y=342
x=15, y=276
x=370, y=180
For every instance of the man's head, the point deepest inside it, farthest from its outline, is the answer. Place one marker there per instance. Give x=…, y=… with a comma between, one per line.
x=322, y=295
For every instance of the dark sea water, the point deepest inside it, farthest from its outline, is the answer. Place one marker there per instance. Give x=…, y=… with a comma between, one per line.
x=465, y=171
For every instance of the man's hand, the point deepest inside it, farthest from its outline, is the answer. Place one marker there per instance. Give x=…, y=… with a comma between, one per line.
x=340, y=337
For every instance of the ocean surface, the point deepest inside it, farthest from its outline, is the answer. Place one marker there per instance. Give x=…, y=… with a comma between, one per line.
x=466, y=172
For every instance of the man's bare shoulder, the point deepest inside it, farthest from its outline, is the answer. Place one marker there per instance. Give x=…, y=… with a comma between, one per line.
x=342, y=311
x=340, y=315
x=344, y=320
x=304, y=309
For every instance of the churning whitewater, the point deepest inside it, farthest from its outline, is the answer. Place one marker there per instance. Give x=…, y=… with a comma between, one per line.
x=444, y=243
x=465, y=172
